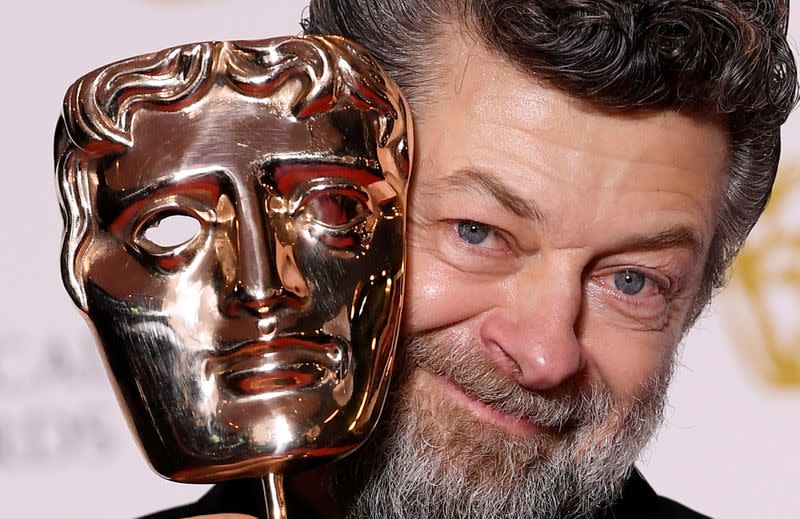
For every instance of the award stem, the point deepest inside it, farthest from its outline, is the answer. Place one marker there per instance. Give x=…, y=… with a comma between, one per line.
x=272, y=485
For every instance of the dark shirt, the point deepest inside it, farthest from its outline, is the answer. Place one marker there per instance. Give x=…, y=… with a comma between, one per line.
x=638, y=501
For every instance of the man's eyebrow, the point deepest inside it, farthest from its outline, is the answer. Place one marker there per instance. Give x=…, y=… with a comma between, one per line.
x=677, y=236
x=488, y=184
x=680, y=236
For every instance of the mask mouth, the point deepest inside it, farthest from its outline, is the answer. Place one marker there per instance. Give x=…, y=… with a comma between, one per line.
x=284, y=363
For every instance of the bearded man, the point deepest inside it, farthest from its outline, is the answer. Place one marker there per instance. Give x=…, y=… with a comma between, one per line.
x=585, y=173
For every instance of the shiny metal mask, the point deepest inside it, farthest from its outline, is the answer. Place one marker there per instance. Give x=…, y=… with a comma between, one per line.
x=265, y=335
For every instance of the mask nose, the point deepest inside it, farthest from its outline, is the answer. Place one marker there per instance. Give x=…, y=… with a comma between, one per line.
x=266, y=274
x=533, y=336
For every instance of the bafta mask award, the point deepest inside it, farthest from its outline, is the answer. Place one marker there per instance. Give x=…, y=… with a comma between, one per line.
x=259, y=335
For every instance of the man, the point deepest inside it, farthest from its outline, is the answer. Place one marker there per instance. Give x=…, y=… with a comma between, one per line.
x=585, y=173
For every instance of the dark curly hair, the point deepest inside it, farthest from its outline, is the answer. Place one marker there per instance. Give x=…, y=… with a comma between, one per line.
x=726, y=57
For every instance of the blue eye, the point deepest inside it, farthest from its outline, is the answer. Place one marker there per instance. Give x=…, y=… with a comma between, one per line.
x=629, y=282
x=473, y=232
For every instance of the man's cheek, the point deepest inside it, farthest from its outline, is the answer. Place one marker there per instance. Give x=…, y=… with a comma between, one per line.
x=626, y=361
x=438, y=295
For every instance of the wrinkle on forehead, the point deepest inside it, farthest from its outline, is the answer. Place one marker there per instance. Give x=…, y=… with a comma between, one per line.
x=638, y=152
x=480, y=95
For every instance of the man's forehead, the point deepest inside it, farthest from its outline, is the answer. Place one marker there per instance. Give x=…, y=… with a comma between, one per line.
x=237, y=134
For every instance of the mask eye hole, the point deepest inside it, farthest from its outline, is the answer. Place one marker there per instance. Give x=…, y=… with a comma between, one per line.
x=169, y=231
x=336, y=208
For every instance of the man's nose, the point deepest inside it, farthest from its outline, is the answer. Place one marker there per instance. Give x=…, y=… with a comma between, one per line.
x=532, y=336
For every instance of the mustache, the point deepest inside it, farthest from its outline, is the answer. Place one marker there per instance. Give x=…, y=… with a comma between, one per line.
x=567, y=408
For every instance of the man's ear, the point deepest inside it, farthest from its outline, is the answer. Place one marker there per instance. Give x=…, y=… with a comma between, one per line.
x=74, y=197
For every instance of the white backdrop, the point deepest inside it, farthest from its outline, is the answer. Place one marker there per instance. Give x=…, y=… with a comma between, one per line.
x=730, y=444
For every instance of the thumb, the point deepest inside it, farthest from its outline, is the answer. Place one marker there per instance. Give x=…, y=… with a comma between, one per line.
x=222, y=516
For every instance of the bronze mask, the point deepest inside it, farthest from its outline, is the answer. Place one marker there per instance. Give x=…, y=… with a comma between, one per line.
x=266, y=335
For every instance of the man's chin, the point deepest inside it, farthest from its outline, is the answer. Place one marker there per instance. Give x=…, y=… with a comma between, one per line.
x=450, y=464
x=440, y=452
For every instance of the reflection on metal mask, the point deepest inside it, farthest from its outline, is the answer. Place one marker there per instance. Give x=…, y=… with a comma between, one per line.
x=264, y=335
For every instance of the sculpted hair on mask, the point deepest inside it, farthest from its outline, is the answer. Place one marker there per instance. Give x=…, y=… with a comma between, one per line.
x=721, y=58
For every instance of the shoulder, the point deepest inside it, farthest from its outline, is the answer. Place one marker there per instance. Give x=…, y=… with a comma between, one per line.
x=668, y=508
x=242, y=497
x=234, y=497
x=640, y=500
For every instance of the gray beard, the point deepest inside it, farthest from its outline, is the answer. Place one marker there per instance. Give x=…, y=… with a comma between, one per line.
x=430, y=458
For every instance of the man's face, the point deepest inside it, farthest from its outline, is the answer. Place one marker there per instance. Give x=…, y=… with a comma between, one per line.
x=555, y=250
x=265, y=333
